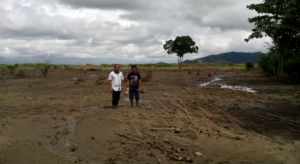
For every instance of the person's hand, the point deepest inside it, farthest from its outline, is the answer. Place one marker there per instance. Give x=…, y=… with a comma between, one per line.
x=111, y=90
x=122, y=89
x=142, y=88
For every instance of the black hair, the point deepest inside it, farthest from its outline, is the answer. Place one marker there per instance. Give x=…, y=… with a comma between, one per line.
x=116, y=65
x=133, y=66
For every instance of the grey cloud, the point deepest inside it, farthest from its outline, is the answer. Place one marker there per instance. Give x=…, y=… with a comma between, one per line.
x=107, y=4
x=217, y=26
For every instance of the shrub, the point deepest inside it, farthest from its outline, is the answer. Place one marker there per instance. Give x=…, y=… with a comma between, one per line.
x=45, y=70
x=100, y=80
x=198, y=72
x=189, y=72
x=249, y=65
x=12, y=68
x=21, y=74
x=292, y=67
x=79, y=80
x=148, y=77
x=55, y=66
x=268, y=63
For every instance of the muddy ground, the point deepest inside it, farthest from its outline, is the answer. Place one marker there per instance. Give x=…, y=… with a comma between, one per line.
x=54, y=120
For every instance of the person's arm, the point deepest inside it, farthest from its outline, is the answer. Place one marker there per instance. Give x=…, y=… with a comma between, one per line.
x=127, y=85
x=140, y=82
x=110, y=83
x=122, y=82
x=110, y=86
x=128, y=82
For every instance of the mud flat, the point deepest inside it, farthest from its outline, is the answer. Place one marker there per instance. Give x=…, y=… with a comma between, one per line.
x=180, y=120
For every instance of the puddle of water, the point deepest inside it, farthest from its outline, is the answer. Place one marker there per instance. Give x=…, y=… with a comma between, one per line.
x=210, y=82
x=240, y=88
x=218, y=78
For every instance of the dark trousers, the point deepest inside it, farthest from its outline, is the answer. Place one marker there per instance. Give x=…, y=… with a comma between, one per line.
x=115, y=97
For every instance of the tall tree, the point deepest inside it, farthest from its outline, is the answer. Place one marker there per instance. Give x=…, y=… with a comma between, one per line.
x=181, y=46
x=279, y=20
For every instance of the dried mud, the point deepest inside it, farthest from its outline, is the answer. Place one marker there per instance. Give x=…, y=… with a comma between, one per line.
x=54, y=120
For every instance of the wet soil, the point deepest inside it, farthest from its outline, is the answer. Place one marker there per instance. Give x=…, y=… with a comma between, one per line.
x=59, y=119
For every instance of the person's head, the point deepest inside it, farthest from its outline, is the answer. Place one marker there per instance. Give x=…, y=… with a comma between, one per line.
x=116, y=67
x=134, y=68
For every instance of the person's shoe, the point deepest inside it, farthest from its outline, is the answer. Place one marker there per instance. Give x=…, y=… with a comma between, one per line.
x=114, y=106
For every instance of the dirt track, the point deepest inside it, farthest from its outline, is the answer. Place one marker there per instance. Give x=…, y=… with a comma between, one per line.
x=54, y=120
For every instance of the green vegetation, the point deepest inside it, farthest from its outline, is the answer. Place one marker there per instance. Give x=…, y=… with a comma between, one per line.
x=147, y=66
x=32, y=65
x=181, y=46
x=280, y=21
x=12, y=68
x=291, y=67
x=249, y=65
x=227, y=58
x=268, y=63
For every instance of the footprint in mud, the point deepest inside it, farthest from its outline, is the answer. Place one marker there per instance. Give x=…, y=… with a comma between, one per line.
x=60, y=144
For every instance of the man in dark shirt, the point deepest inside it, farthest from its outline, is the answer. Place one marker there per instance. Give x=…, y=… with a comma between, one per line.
x=134, y=80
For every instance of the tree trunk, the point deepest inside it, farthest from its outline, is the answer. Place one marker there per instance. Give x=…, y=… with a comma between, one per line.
x=278, y=71
x=181, y=59
x=179, y=63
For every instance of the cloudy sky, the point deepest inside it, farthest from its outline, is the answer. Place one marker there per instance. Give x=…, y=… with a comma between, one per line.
x=121, y=31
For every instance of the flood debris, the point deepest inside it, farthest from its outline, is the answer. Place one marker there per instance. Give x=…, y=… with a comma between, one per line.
x=147, y=77
x=100, y=80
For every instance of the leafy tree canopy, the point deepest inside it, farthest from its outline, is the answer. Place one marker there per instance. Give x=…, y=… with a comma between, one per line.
x=180, y=46
x=280, y=20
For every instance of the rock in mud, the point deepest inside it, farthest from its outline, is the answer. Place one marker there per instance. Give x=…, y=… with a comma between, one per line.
x=177, y=130
x=73, y=148
x=189, y=159
x=198, y=154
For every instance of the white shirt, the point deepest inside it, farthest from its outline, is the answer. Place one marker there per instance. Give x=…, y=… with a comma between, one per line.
x=116, y=79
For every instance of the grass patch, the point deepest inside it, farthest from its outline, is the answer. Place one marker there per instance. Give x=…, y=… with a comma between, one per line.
x=214, y=90
x=123, y=66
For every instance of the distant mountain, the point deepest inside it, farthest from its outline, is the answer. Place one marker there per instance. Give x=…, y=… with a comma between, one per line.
x=228, y=58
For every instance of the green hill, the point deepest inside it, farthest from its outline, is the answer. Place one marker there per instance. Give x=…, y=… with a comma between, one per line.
x=227, y=58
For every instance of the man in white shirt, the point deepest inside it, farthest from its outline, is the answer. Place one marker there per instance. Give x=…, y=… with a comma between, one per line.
x=116, y=79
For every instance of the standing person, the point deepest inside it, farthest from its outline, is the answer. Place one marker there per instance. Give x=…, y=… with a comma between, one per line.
x=116, y=80
x=134, y=80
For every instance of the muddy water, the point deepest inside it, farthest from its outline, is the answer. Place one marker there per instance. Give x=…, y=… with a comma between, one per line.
x=219, y=78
